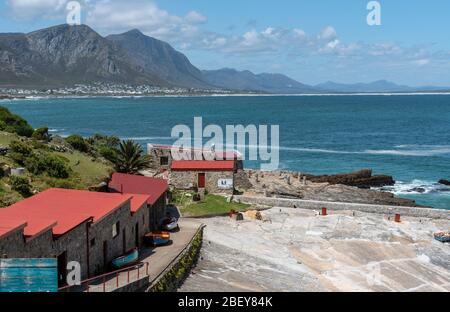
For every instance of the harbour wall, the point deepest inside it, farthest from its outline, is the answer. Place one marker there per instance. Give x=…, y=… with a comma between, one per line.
x=369, y=208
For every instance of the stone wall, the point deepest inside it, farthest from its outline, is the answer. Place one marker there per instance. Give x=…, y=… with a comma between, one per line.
x=155, y=155
x=89, y=236
x=44, y=245
x=157, y=212
x=316, y=205
x=187, y=180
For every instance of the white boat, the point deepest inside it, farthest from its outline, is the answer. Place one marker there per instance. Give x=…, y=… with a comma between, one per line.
x=170, y=224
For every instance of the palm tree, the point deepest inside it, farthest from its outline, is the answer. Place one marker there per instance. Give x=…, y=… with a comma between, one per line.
x=130, y=158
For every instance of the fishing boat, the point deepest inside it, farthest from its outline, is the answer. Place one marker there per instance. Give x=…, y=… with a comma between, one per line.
x=442, y=237
x=157, y=238
x=127, y=259
x=170, y=224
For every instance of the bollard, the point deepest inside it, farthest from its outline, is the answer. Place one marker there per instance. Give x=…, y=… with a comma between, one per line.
x=324, y=211
x=397, y=217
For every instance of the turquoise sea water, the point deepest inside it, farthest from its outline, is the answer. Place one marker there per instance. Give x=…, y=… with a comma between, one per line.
x=405, y=136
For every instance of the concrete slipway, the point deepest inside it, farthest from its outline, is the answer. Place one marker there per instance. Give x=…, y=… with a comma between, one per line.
x=298, y=250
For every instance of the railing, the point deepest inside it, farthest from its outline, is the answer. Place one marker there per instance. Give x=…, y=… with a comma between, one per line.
x=112, y=280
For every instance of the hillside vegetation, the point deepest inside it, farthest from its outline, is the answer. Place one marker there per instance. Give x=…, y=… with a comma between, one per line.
x=74, y=163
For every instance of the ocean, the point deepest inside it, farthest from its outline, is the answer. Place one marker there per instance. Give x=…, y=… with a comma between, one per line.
x=406, y=136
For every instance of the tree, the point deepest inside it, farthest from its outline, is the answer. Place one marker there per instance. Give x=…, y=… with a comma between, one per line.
x=130, y=158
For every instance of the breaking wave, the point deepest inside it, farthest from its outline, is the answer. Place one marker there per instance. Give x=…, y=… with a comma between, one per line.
x=400, y=150
x=416, y=187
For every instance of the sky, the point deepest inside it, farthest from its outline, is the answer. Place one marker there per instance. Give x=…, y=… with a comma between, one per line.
x=312, y=41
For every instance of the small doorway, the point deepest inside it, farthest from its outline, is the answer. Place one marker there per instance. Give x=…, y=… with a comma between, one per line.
x=201, y=180
x=136, y=235
x=62, y=268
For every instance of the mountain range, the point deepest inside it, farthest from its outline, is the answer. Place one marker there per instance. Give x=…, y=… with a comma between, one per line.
x=65, y=55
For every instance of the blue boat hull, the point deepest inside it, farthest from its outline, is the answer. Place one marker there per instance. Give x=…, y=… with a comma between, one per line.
x=125, y=260
x=442, y=239
x=160, y=241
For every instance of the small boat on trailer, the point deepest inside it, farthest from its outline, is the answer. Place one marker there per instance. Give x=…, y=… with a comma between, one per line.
x=157, y=238
x=129, y=258
x=170, y=224
x=443, y=237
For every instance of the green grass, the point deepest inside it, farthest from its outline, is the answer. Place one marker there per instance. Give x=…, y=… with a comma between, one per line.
x=211, y=205
x=6, y=138
x=85, y=171
x=90, y=172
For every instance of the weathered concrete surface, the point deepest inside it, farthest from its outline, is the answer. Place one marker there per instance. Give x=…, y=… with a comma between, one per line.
x=315, y=204
x=298, y=250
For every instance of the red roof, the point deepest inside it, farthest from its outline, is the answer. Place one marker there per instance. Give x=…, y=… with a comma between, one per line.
x=211, y=165
x=63, y=210
x=10, y=225
x=153, y=188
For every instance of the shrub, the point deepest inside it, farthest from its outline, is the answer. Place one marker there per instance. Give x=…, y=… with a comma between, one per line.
x=41, y=134
x=54, y=166
x=104, y=140
x=14, y=123
x=108, y=153
x=21, y=185
x=19, y=152
x=78, y=143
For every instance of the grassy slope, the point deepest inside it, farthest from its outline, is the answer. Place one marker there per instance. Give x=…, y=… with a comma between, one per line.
x=86, y=172
x=211, y=205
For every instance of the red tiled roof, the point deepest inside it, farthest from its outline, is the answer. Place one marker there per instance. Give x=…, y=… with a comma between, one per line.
x=212, y=165
x=62, y=209
x=127, y=183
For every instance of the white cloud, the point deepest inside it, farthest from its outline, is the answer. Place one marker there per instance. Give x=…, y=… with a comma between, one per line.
x=195, y=17
x=28, y=9
x=118, y=16
x=328, y=33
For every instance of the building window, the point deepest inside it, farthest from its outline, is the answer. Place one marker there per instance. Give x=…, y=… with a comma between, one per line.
x=115, y=229
x=164, y=160
x=93, y=242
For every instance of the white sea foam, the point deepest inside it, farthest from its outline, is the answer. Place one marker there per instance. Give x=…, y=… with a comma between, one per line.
x=417, y=186
x=147, y=138
x=400, y=150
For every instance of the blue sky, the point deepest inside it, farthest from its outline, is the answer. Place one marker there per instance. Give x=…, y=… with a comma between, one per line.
x=310, y=40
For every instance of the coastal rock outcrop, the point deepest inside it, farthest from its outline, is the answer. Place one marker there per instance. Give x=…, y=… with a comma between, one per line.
x=293, y=185
x=444, y=182
x=361, y=179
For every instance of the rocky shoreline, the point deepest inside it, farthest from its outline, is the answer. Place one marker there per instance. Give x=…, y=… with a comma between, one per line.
x=350, y=187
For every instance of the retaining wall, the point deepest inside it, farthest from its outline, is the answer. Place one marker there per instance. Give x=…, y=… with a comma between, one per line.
x=316, y=205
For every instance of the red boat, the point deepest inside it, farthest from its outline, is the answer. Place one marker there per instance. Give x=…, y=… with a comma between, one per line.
x=157, y=238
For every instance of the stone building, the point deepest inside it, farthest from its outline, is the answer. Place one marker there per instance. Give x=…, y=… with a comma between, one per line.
x=212, y=176
x=161, y=156
x=155, y=189
x=70, y=225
